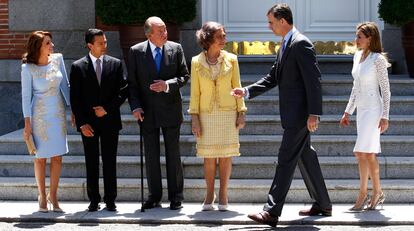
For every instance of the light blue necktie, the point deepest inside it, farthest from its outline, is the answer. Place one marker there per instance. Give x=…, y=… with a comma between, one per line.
x=283, y=46
x=282, y=49
x=157, y=58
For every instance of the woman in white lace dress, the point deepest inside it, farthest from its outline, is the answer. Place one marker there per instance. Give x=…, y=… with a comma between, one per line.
x=371, y=97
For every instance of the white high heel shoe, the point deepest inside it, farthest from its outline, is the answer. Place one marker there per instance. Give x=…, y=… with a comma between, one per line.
x=223, y=208
x=208, y=207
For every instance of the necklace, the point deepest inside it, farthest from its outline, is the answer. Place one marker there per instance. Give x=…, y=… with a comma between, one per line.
x=209, y=62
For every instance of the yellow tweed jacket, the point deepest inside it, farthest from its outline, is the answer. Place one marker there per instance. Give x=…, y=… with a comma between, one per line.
x=205, y=90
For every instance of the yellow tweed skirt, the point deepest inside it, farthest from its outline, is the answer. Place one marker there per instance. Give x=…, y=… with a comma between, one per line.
x=219, y=135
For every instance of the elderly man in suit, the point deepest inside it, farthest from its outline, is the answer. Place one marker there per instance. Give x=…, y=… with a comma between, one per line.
x=296, y=73
x=98, y=89
x=156, y=72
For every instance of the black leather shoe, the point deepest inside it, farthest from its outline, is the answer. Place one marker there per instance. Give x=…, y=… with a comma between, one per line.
x=264, y=217
x=151, y=204
x=175, y=205
x=316, y=211
x=93, y=207
x=111, y=207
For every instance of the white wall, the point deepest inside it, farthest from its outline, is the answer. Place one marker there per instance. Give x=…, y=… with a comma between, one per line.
x=320, y=20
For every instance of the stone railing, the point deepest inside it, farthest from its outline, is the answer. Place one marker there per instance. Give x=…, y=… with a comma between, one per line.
x=271, y=48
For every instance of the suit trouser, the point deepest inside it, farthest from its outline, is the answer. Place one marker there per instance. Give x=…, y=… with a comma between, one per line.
x=175, y=178
x=296, y=150
x=109, y=145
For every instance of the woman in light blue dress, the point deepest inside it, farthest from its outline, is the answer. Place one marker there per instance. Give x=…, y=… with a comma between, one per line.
x=45, y=89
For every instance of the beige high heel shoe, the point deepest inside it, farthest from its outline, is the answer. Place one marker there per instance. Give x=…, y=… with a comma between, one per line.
x=374, y=204
x=55, y=209
x=361, y=207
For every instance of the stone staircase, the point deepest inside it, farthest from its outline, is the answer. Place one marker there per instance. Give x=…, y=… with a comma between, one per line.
x=260, y=139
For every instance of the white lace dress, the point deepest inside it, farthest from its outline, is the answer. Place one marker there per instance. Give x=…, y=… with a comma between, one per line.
x=371, y=97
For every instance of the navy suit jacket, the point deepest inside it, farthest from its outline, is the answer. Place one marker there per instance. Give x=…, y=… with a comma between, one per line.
x=298, y=76
x=161, y=109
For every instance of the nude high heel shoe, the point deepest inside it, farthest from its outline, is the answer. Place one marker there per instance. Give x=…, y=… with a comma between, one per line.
x=361, y=207
x=55, y=209
x=374, y=204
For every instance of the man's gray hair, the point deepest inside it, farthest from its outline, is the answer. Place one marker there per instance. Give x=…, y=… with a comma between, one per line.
x=148, y=24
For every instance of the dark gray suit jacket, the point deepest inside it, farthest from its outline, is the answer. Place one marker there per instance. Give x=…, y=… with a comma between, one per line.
x=160, y=109
x=298, y=77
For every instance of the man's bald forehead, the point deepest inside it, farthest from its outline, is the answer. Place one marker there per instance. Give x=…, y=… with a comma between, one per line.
x=155, y=20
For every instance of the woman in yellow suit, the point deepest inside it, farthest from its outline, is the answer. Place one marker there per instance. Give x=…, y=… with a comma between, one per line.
x=216, y=115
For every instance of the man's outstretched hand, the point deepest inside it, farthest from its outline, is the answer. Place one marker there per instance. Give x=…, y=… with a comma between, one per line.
x=238, y=92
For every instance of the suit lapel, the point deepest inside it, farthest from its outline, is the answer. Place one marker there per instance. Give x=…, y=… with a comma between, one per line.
x=150, y=61
x=286, y=52
x=166, y=57
x=91, y=70
x=105, y=70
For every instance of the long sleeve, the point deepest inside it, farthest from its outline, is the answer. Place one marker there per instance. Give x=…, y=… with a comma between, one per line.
x=64, y=85
x=76, y=96
x=381, y=71
x=27, y=91
x=177, y=82
x=264, y=84
x=306, y=60
x=350, y=107
x=235, y=82
x=122, y=87
x=133, y=83
x=195, y=90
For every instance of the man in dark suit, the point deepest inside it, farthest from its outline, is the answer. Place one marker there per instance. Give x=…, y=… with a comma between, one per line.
x=156, y=72
x=98, y=89
x=296, y=73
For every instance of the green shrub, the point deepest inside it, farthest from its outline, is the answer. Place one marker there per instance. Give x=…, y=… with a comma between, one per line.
x=115, y=12
x=397, y=12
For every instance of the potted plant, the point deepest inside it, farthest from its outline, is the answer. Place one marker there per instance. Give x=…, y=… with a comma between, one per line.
x=401, y=13
x=129, y=17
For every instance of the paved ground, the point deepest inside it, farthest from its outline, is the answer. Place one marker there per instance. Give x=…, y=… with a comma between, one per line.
x=189, y=227
x=129, y=213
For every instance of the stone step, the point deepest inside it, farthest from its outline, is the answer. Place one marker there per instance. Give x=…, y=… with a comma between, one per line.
x=251, y=145
x=271, y=125
x=240, y=191
x=268, y=105
x=333, y=84
x=244, y=167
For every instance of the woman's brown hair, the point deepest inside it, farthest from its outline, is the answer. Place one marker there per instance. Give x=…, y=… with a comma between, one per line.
x=205, y=36
x=370, y=29
x=33, y=46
